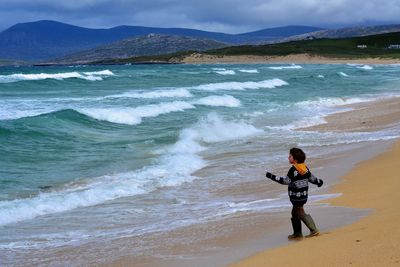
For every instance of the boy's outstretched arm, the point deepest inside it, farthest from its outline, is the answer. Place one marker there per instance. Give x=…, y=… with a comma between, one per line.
x=314, y=180
x=282, y=180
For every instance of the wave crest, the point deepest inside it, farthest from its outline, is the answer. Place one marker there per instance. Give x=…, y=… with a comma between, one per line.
x=217, y=101
x=90, y=76
x=132, y=116
x=241, y=85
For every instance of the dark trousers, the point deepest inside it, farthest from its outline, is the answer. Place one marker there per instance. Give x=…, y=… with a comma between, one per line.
x=298, y=210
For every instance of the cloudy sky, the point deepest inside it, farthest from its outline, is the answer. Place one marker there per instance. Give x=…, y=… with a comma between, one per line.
x=231, y=16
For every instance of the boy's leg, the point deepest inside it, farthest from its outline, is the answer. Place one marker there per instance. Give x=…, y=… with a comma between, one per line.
x=296, y=224
x=309, y=222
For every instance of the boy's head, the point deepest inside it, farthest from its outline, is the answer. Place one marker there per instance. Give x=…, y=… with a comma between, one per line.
x=296, y=155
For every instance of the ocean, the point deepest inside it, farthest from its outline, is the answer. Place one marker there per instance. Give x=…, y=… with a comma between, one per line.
x=95, y=154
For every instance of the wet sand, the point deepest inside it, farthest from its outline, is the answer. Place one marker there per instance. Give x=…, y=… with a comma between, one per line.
x=372, y=184
x=198, y=58
x=363, y=117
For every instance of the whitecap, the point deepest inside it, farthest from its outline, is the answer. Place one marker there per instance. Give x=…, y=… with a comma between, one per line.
x=341, y=73
x=293, y=66
x=153, y=94
x=360, y=66
x=215, y=129
x=241, y=85
x=218, y=101
x=102, y=72
x=226, y=72
x=132, y=116
x=90, y=76
x=365, y=67
x=249, y=71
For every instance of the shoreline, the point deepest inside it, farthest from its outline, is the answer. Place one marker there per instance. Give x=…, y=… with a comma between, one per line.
x=197, y=58
x=269, y=230
x=371, y=184
x=370, y=241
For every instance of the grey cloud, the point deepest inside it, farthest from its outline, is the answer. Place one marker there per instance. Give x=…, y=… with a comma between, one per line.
x=217, y=15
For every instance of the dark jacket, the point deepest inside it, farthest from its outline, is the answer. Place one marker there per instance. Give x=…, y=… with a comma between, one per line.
x=297, y=184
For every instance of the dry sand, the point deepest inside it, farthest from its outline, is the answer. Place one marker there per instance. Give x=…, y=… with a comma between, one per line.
x=197, y=58
x=372, y=184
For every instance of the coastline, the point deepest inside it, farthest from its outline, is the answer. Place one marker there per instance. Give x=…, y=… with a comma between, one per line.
x=198, y=58
x=371, y=184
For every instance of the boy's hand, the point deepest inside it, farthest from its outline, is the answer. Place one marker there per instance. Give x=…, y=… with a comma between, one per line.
x=320, y=183
x=269, y=175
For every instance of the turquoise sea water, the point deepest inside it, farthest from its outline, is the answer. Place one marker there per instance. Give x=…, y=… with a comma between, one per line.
x=89, y=148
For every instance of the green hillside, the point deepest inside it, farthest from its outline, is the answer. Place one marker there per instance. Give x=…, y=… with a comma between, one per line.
x=377, y=46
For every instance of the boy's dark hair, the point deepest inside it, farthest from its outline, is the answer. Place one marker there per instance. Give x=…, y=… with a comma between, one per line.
x=298, y=154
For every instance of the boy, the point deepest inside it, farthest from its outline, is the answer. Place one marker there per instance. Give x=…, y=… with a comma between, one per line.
x=297, y=179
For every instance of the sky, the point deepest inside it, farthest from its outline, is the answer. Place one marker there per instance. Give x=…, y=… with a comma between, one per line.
x=229, y=16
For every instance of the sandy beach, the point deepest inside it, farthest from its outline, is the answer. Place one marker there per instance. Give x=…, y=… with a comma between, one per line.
x=372, y=184
x=198, y=58
x=359, y=227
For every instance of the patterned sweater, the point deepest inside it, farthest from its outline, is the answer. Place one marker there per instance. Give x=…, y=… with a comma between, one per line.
x=298, y=183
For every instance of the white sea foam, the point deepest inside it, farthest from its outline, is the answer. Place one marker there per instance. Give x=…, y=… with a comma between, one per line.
x=249, y=71
x=241, y=85
x=303, y=123
x=341, y=73
x=226, y=72
x=323, y=107
x=365, y=67
x=154, y=94
x=217, y=101
x=215, y=129
x=10, y=110
x=321, y=76
x=330, y=102
x=134, y=116
x=360, y=66
x=172, y=169
x=322, y=102
x=335, y=138
x=101, y=73
x=265, y=204
x=91, y=76
x=293, y=66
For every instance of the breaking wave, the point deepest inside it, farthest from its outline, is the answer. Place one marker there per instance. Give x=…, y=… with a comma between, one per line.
x=241, y=85
x=90, y=76
x=173, y=168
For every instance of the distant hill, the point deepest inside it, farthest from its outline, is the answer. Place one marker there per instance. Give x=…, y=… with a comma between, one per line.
x=274, y=34
x=151, y=44
x=347, y=32
x=376, y=46
x=43, y=40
